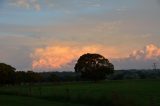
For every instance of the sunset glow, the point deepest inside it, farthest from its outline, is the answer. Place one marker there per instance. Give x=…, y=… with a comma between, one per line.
x=52, y=34
x=151, y=51
x=55, y=57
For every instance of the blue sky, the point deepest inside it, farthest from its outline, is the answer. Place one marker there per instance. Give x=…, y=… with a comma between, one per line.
x=126, y=30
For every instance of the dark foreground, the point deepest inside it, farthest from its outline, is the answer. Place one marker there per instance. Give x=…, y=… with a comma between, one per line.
x=106, y=93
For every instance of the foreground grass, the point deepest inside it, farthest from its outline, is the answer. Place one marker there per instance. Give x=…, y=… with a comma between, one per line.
x=111, y=93
x=12, y=100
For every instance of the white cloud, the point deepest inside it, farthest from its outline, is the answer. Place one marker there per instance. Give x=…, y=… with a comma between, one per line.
x=140, y=59
x=37, y=4
x=27, y=4
x=151, y=51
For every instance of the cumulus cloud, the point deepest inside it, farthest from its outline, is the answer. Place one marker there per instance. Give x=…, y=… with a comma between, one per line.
x=59, y=56
x=151, y=51
x=62, y=56
x=27, y=4
x=140, y=59
x=63, y=4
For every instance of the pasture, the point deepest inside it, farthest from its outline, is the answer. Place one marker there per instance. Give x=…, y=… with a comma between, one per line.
x=103, y=93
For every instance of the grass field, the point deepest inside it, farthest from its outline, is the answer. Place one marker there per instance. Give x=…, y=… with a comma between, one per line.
x=12, y=100
x=110, y=93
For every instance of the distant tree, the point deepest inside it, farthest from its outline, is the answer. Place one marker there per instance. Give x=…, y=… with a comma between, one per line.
x=54, y=78
x=130, y=75
x=20, y=77
x=93, y=66
x=7, y=74
x=32, y=77
x=69, y=78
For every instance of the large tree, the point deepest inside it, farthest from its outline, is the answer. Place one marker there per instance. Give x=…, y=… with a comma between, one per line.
x=93, y=66
x=7, y=74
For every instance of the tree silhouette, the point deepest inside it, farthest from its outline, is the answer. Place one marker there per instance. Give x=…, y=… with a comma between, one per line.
x=20, y=77
x=93, y=66
x=7, y=74
x=54, y=78
x=32, y=77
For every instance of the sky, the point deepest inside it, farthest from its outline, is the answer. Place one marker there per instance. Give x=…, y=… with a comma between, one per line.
x=50, y=35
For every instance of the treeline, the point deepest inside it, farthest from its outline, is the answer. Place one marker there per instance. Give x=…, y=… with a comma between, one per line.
x=22, y=77
x=135, y=74
x=30, y=77
x=9, y=75
x=19, y=77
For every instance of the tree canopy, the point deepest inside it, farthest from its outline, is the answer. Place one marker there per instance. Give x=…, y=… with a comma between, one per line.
x=93, y=66
x=6, y=73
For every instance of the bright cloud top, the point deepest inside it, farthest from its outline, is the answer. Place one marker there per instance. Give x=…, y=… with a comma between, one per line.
x=140, y=59
x=63, y=56
x=58, y=56
x=151, y=51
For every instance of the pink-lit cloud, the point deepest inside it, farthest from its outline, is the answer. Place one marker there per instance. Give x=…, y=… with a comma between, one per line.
x=151, y=51
x=60, y=55
x=140, y=59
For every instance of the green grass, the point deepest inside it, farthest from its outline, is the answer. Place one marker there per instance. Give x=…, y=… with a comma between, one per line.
x=12, y=100
x=113, y=93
